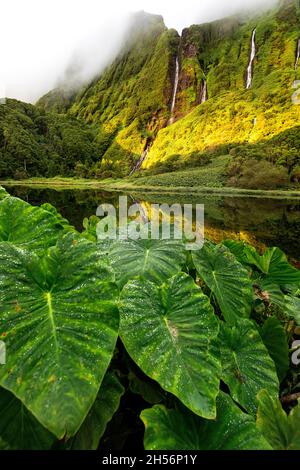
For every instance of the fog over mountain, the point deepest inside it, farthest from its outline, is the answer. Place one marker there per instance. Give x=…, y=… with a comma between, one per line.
x=45, y=43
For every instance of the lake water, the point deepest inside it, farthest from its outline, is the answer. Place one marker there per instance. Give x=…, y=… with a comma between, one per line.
x=260, y=221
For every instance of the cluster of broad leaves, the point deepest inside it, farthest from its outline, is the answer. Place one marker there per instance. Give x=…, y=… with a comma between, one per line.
x=206, y=329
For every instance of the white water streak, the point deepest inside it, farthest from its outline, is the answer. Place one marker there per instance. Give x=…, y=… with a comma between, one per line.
x=250, y=66
x=176, y=81
x=141, y=160
x=204, y=92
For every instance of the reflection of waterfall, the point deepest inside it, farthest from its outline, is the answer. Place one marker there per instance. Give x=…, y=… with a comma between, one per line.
x=297, y=56
x=142, y=158
x=203, y=95
x=252, y=56
x=176, y=81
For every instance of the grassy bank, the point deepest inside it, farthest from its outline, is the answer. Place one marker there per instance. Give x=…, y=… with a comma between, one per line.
x=178, y=182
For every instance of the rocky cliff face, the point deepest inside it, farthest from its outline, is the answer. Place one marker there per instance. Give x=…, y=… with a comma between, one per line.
x=131, y=102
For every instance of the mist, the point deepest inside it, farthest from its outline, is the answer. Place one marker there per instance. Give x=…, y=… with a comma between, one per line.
x=49, y=42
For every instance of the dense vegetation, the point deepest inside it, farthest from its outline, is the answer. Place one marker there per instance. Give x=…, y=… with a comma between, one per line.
x=35, y=143
x=108, y=341
x=102, y=129
x=131, y=99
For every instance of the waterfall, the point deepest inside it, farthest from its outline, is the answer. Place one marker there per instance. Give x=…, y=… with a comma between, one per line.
x=176, y=81
x=142, y=158
x=252, y=56
x=296, y=84
x=297, y=56
x=203, y=96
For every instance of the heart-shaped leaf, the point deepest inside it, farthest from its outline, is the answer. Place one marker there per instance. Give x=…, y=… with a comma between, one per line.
x=179, y=429
x=227, y=279
x=170, y=332
x=247, y=365
x=156, y=260
x=19, y=429
x=274, y=264
x=60, y=325
x=26, y=226
x=281, y=431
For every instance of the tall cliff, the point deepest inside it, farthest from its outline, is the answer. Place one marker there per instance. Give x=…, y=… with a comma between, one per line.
x=130, y=104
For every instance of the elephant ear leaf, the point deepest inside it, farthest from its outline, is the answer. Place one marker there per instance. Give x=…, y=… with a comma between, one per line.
x=179, y=429
x=28, y=227
x=60, y=219
x=102, y=411
x=170, y=332
x=281, y=431
x=247, y=365
x=292, y=307
x=227, y=279
x=3, y=193
x=59, y=321
x=19, y=429
x=275, y=340
x=155, y=260
x=274, y=265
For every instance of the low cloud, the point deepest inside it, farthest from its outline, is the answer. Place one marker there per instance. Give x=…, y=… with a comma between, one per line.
x=43, y=43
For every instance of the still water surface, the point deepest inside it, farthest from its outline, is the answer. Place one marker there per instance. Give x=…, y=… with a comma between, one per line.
x=260, y=221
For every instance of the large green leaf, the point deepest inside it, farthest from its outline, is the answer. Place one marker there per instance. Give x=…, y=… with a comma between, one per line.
x=156, y=260
x=292, y=307
x=280, y=430
x=19, y=429
x=274, y=264
x=26, y=226
x=170, y=332
x=102, y=411
x=60, y=324
x=227, y=279
x=182, y=430
x=3, y=193
x=247, y=365
x=60, y=219
x=275, y=340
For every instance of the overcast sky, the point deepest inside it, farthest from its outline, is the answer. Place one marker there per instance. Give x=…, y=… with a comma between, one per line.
x=40, y=38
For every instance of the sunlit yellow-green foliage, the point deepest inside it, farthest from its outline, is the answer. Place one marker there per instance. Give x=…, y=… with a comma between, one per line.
x=35, y=143
x=233, y=115
x=130, y=100
x=130, y=103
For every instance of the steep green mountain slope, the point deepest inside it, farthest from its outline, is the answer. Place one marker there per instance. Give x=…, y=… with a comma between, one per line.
x=134, y=125
x=131, y=99
x=214, y=114
x=235, y=120
x=35, y=143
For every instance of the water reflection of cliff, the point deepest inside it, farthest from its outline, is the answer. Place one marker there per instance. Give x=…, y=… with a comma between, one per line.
x=273, y=222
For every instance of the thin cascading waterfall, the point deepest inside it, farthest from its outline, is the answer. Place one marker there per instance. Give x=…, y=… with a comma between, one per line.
x=204, y=95
x=176, y=81
x=141, y=160
x=252, y=57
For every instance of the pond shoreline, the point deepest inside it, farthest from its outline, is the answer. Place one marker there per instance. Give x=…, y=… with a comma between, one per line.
x=125, y=186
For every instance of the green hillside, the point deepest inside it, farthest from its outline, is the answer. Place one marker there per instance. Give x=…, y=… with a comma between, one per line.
x=235, y=120
x=127, y=109
x=35, y=143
